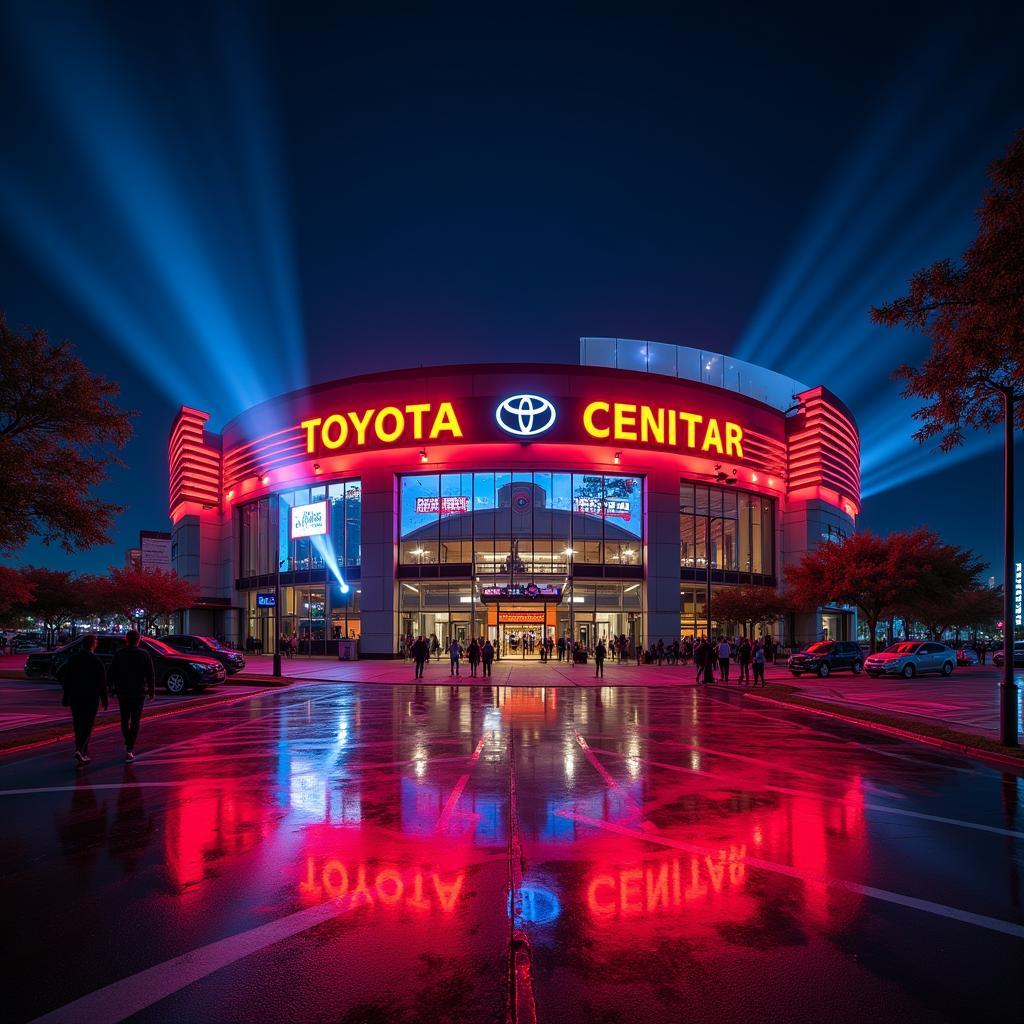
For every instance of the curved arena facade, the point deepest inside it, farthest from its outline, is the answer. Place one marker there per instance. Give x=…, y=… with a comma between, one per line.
x=515, y=501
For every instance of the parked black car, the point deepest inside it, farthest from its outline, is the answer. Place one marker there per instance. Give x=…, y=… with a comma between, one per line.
x=175, y=671
x=826, y=657
x=26, y=642
x=208, y=646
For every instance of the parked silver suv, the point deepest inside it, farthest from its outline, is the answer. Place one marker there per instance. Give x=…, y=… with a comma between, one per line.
x=911, y=658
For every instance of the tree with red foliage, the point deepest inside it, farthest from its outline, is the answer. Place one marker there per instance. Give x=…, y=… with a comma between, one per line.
x=15, y=591
x=144, y=595
x=948, y=573
x=749, y=606
x=58, y=426
x=973, y=378
x=880, y=575
x=55, y=598
x=977, y=608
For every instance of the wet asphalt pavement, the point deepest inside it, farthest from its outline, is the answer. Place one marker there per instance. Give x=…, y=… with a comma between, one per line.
x=333, y=852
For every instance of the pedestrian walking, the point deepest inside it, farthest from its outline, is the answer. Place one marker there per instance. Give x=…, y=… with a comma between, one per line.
x=758, y=661
x=487, y=656
x=133, y=679
x=454, y=653
x=724, y=652
x=420, y=653
x=599, y=654
x=700, y=659
x=473, y=654
x=745, y=654
x=561, y=648
x=85, y=687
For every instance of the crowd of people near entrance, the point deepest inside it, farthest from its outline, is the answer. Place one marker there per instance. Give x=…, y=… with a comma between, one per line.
x=479, y=654
x=719, y=659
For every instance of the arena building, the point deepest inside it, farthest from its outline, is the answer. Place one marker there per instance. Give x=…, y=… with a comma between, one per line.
x=512, y=501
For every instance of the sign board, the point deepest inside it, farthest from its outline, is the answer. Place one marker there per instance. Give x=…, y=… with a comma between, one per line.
x=1018, y=594
x=522, y=618
x=310, y=520
x=526, y=417
x=521, y=592
x=266, y=600
x=608, y=508
x=446, y=505
x=155, y=550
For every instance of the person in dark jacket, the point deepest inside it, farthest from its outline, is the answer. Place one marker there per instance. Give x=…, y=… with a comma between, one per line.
x=700, y=658
x=473, y=654
x=487, y=654
x=746, y=652
x=420, y=653
x=132, y=678
x=85, y=687
x=599, y=656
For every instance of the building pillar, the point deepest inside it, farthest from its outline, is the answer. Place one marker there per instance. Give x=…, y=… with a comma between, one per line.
x=806, y=525
x=378, y=564
x=662, y=557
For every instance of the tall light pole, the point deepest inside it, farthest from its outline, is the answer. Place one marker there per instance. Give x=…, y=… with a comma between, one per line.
x=569, y=552
x=277, y=618
x=1008, y=685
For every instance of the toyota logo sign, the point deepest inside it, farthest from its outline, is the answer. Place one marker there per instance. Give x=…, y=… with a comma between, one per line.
x=525, y=415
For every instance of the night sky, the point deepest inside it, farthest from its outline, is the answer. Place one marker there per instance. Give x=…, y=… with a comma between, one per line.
x=219, y=203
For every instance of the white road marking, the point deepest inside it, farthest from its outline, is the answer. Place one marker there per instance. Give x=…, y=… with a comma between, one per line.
x=131, y=995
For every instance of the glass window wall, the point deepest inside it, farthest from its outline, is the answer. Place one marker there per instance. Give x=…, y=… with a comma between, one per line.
x=738, y=525
x=521, y=523
x=264, y=526
x=588, y=612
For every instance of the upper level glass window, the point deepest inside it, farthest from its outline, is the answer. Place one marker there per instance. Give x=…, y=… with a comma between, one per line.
x=530, y=523
x=264, y=542
x=732, y=530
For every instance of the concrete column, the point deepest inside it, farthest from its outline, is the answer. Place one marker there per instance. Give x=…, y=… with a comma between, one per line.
x=185, y=546
x=377, y=568
x=662, y=557
x=806, y=525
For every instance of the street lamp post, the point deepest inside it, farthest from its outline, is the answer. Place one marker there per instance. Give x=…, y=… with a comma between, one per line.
x=569, y=552
x=1008, y=684
x=277, y=618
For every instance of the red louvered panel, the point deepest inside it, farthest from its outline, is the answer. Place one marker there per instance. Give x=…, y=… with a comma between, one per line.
x=824, y=449
x=194, y=464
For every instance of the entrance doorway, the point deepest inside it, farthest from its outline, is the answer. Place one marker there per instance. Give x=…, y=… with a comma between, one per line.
x=522, y=630
x=835, y=626
x=589, y=631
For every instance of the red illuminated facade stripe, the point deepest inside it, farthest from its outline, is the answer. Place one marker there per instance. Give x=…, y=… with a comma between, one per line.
x=194, y=464
x=824, y=449
x=264, y=454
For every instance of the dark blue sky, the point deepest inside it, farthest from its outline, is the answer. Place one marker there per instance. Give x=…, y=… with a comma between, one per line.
x=217, y=203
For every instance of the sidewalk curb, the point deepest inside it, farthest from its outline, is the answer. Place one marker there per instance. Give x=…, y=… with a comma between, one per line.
x=963, y=749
